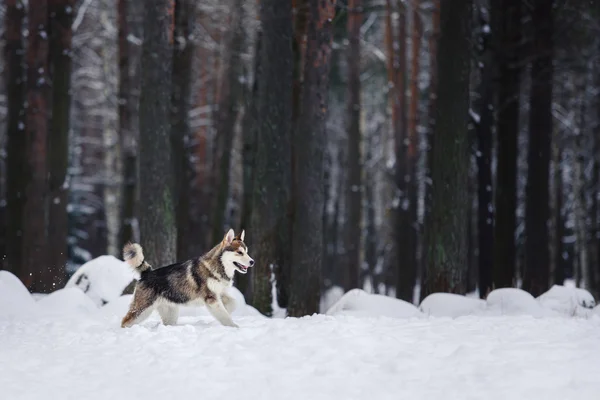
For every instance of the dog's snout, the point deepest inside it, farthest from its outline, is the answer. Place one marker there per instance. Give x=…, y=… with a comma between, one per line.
x=251, y=262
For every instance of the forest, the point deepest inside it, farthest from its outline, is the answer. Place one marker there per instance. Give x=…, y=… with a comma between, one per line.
x=403, y=147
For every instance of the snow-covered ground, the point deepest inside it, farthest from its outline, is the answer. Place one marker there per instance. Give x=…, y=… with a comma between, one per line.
x=64, y=346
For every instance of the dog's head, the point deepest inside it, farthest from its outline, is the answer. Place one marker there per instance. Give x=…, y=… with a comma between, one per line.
x=235, y=255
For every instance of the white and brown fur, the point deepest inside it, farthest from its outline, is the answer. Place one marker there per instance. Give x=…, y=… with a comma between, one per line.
x=200, y=281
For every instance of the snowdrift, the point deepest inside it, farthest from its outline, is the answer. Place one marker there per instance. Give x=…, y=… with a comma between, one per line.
x=569, y=301
x=103, y=279
x=511, y=301
x=358, y=303
x=451, y=305
x=15, y=299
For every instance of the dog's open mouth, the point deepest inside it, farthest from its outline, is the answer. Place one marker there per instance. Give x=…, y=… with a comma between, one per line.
x=240, y=267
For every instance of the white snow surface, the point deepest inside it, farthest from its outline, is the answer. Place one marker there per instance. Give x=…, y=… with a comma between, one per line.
x=511, y=301
x=569, y=301
x=103, y=278
x=65, y=347
x=358, y=303
x=451, y=305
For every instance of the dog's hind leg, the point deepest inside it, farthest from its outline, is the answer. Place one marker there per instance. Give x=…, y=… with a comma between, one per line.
x=218, y=310
x=140, y=308
x=168, y=313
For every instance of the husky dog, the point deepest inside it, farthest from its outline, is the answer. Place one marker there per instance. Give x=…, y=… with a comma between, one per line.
x=199, y=281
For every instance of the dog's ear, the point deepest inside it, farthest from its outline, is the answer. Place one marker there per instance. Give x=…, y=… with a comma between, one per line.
x=242, y=235
x=228, y=237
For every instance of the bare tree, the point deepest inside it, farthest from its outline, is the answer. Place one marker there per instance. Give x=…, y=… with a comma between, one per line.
x=61, y=19
x=309, y=139
x=157, y=201
x=446, y=243
x=35, y=229
x=16, y=159
x=354, y=186
x=484, y=121
x=271, y=187
x=509, y=36
x=185, y=17
x=536, y=276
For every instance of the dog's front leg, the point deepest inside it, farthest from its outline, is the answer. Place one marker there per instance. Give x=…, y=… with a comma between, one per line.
x=217, y=310
x=228, y=302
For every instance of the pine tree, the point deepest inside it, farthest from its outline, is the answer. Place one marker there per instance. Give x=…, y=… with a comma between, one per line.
x=537, y=258
x=446, y=243
x=308, y=144
x=157, y=201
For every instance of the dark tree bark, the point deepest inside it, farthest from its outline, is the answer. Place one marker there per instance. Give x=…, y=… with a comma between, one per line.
x=446, y=244
x=559, y=264
x=408, y=226
x=16, y=158
x=268, y=237
x=35, y=274
x=157, y=201
x=127, y=139
x=352, y=234
x=183, y=55
x=250, y=130
x=509, y=35
x=431, y=121
x=61, y=18
x=483, y=127
x=536, y=276
x=309, y=141
x=230, y=91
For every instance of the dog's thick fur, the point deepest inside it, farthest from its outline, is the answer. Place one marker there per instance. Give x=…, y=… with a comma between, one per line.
x=203, y=280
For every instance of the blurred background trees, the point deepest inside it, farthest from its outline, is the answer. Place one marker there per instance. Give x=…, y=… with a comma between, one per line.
x=399, y=146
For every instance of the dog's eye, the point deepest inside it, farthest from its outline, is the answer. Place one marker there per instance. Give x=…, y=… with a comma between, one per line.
x=240, y=253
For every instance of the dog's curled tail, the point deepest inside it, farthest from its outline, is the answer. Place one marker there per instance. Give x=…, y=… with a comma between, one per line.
x=134, y=256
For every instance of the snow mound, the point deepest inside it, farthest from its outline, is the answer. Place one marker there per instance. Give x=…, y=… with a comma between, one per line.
x=330, y=297
x=117, y=307
x=15, y=299
x=68, y=301
x=103, y=279
x=358, y=303
x=569, y=301
x=511, y=301
x=451, y=305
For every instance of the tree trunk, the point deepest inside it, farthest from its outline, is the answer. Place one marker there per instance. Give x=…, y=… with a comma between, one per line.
x=483, y=127
x=157, y=201
x=127, y=137
x=183, y=52
x=268, y=236
x=446, y=244
x=16, y=150
x=508, y=58
x=434, y=38
x=309, y=141
x=61, y=18
x=407, y=261
x=354, y=188
x=35, y=274
x=230, y=90
x=250, y=130
x=559, y=265
x=536, y=276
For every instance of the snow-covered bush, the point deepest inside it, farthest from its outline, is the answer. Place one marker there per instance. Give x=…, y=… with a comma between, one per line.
x=359, y=303
x=511, y=301
x=451, y=305
x=103, y=279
